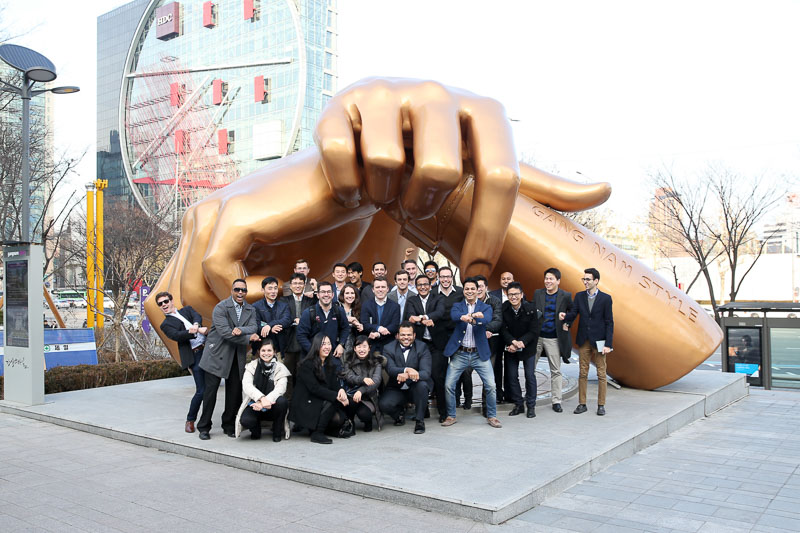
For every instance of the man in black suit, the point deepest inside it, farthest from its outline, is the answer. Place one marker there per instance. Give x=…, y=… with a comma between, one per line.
x=520, y=324
x=297, y=303
x=595, y=334
x=449, y=293
x=408, y=364
x=425, y=310
x=186, y=328
x=505, y=279
x=355, y=273
x=381, y=316
x=553, y=303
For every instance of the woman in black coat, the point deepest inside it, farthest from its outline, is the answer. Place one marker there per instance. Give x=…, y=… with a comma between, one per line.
x=318, y=400
x=362, y=378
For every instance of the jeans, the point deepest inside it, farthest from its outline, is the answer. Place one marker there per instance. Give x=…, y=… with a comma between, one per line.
x=199, y=387
x=459, y=361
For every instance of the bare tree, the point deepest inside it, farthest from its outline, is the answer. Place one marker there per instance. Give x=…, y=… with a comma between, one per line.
x=678, y=220
x=743, y=204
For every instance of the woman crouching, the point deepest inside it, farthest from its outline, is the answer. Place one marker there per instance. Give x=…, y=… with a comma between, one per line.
x=263, y=387
x=362, y=378
x=318, y=400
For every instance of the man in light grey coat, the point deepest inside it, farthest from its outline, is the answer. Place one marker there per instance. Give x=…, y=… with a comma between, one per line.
x=233, y=326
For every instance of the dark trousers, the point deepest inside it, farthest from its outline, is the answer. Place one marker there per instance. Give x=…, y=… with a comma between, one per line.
x=199, y=386
x=359, y=410
x=393, y=401
x=233, y=399
x=497, y=365
x=290, y=360
x=514, y=391
x=277, y=414
x=465, y=381
x=438, y=373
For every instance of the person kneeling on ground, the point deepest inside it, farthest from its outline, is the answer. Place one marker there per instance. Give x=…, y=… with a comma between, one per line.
x=318, y=400
x=362, y=377
x=263, y=386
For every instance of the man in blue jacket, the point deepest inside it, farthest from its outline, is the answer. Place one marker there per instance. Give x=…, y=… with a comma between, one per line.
x=468, y=347
x=380, y=316
x=326, y=318
x=272, y=314
x=595, y=333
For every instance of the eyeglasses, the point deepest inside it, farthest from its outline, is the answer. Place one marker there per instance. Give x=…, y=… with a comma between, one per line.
x=239, y=289
x=514, y=294
x=163, y=302
x=423, y=284
x=325, y=292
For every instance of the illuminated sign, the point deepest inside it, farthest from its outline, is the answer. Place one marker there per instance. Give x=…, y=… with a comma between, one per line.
x=168, y=21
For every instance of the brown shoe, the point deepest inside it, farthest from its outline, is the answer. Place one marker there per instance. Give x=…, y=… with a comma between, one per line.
x=495, y=423
x=449, y=421
x=189, y=426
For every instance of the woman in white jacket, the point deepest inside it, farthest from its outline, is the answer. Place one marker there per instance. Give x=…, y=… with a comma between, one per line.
x=263, y=389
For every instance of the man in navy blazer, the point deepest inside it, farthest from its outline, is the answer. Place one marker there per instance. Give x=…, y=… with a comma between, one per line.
x=381, y=316
x=594, y=338
x=408, y=364
x=273, y=315
x=468, y=347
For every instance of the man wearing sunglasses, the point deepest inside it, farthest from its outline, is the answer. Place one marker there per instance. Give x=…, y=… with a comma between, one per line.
x=233, y=326
x=186, y=328
x=595, y=332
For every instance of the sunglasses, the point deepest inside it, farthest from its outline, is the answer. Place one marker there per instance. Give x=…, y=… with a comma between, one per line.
x=163, y=302
x=238, y=289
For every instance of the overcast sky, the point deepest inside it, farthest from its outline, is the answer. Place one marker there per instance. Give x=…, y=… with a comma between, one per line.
x=602, y=91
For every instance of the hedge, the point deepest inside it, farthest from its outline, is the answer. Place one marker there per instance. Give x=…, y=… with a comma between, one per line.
x=79, y=377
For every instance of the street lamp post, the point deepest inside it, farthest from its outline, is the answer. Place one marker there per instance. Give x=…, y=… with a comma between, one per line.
x=35, y=68
x=23, y=361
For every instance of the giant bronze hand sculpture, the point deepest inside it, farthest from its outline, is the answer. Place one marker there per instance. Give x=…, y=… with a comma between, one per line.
x=402, y=158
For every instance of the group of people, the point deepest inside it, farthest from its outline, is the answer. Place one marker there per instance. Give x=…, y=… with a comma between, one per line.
x=330, y=355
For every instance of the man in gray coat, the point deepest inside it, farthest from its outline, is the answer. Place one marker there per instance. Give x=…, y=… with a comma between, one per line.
x=233, y=326
x=553, y=303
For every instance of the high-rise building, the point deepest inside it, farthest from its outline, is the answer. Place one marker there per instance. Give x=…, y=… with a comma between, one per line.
x=211, y=91
x=115, y=31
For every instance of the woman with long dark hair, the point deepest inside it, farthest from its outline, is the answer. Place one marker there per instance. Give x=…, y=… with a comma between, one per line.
x=263, y=388
x=350, y=300
x=318, y=400
x=362, y=378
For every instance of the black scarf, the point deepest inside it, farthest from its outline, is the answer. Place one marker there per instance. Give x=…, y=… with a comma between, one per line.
x=264, y=379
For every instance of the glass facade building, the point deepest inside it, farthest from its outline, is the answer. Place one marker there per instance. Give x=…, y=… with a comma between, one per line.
x=115, y=30
x=213, y=90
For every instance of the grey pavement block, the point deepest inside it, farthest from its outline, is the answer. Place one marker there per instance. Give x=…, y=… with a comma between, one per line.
x=749, y=499
x=608, y=493
x=660, y=518
x=716, y=495
x=576, y=524
x=783, y=505
x=791, y=524
x=651, y=500
x=747, y=516
x=696, y=508
x=709, y=527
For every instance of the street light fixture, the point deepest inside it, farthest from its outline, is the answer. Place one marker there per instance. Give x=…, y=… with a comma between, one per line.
x=36, y=68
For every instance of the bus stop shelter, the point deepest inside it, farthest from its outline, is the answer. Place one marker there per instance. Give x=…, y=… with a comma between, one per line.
x=762, y=340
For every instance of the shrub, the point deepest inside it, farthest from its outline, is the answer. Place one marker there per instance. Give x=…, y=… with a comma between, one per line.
x=79, y=377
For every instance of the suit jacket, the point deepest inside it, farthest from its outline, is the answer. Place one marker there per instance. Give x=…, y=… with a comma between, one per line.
x=176, y=330
x=522, y=326
x=419, y=358
x=290, y=338
x=563, y=305
x=435, y=311
x=478, y=329
x=444, y=329
x=276, y=315
x=390, y=319
x=497, y=293
x=313, y=321
x=597, y=325
x=222, y=346
x=395, y=297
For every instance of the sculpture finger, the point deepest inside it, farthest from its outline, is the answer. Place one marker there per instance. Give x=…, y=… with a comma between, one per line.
x=334, y=138
x=198, y=224
x=381, y=142
x=437, y=152
x=560, y=193
x=496, y=185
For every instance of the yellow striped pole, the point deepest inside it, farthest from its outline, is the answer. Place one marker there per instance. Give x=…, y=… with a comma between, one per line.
x=90, y=279
x=100, y=185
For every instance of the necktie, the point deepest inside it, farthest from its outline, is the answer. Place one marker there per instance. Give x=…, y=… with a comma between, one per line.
x=238, y=312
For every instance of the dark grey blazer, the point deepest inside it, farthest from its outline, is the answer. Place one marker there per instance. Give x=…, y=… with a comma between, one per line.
x=221, y=345
x=563, y=304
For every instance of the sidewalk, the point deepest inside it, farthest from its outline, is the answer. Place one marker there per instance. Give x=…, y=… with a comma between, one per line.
x=736, y=470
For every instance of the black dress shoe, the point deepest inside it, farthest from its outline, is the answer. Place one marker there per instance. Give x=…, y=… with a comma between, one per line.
x=231, y=434
x=367, y=426
x=427, y=412
x=419, y=427
x=204, y=435
x=255, y=435
x=601, y=410
x=400, y=420
x=580, y=409
x=517, y=410
x=320, y=438
x=557, y=407
x=277, y=438
x=531, y=412
x=467, y=405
